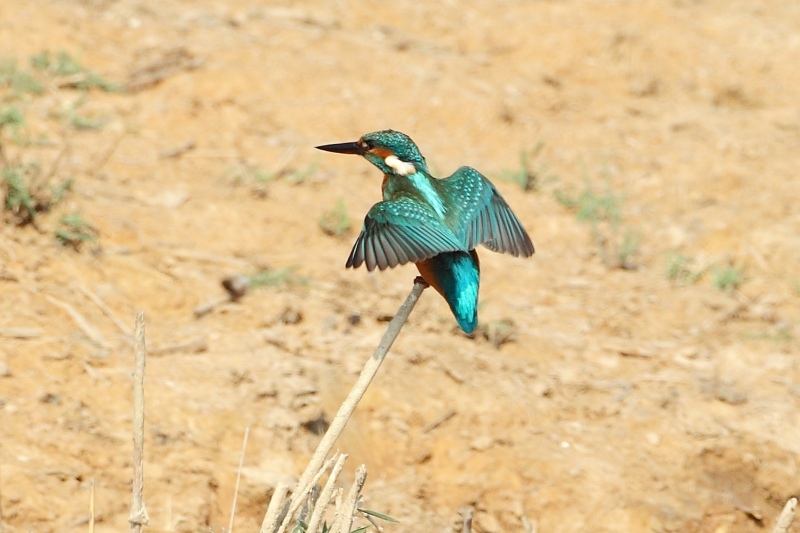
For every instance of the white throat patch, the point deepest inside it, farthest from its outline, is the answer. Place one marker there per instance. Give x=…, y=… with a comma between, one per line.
x=401, y=167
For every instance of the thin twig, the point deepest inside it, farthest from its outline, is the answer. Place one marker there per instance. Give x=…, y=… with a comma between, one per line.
x=439, y=421
x=104, y=308
x=238, y=479
x=196, y=345
x=79, y=320
x=106, y=154
x=326, y=495
x=356, y=393
x=21, y=333
x=786, y=517
x=138, y=516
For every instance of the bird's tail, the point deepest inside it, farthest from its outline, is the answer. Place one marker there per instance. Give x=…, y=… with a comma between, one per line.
x=456, y=276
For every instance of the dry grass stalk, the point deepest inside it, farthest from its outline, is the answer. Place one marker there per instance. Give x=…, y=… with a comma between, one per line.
x=787, y=517
x=315, y=466
x=238, y=479
x=138, y=516
x=91, y=508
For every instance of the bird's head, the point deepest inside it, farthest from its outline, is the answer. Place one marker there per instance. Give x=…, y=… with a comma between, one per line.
x=391, y=151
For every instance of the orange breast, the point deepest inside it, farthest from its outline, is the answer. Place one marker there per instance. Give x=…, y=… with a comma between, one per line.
x=429, y=274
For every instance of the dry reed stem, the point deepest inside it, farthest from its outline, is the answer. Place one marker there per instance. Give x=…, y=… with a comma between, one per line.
x=344, y=520
x=272, y=517
x=326, y=495
x=138, y=516
x=238, y=479
x=786, y=517
x=339, y=421
x=337, y=507
x=300, y=497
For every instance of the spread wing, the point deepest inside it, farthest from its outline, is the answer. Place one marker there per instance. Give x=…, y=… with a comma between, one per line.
x=484, y=216
x=399, y=231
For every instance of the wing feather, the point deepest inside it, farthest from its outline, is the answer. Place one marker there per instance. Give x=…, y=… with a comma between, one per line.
x=484, y=216
x=399, y=231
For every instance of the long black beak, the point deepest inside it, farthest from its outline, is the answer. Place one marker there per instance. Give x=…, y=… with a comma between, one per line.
x=343, y=148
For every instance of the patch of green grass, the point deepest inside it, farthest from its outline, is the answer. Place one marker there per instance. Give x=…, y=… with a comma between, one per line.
x=727, y=278
x=679, y=268
x=530, y=175
x=603, y=212
x=64, y=65
x=78, y=121
x=299, y=176
x=74, y=230
x=26, y=196
x=628, y=248
x=18, y=81
x=11, y=116
x=276, y=278
x=591, y=206
x=18, y=199
x=244, y=172
x=335, y=221
x=779, y=334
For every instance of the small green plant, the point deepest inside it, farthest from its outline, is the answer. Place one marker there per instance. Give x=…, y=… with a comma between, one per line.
x=603, y=213
x=276, y=277
x=244, y=172
x=680, y=268
x=528, y=176
x=336, y=221
x=589, y=206
x=18, y=199
x=11, y=117
x=27, y=193
x=727, y=278
x=18, y=82
x=70, y=72
x=299, y=176
x=628, y=248
x=78, y=121
x=74, y=230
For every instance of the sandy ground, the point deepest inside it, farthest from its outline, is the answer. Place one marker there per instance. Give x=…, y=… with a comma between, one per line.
x=623, y=400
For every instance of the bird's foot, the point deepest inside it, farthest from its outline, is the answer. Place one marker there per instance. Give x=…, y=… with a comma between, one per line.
x=420, y=280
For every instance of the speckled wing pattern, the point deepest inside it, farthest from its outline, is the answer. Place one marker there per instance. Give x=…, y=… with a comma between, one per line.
x=399, y=231
x=483, y=215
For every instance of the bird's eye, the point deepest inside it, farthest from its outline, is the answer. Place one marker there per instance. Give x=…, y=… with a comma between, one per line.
x=368, y=144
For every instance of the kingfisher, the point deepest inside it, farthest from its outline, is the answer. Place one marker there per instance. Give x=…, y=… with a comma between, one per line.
x=434, y=223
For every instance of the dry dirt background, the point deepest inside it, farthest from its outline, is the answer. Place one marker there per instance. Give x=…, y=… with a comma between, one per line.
x=626, y=401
